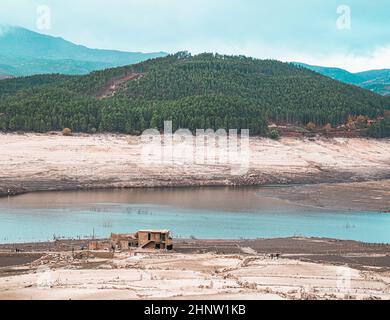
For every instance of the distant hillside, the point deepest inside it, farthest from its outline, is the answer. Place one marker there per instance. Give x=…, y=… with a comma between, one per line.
x=4, y=76
x=374, y=80
x=24, y=52
x=195, y=92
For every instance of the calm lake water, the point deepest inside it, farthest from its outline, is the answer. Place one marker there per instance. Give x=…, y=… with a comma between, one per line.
x=219, y=213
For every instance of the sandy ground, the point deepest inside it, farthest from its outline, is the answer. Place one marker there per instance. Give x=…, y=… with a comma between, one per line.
x=201, y=269
x=31, y=162
x=182, y=276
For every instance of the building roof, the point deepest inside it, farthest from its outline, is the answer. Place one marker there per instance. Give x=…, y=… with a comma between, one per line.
x=154, y=231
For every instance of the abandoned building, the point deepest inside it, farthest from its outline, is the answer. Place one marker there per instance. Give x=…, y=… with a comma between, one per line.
x=143, y=239
x=155, y=239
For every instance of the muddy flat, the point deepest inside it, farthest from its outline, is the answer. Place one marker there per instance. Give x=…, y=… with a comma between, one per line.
x=355, y=254
x=201, y=269
x=15, y=260
x=358, y=196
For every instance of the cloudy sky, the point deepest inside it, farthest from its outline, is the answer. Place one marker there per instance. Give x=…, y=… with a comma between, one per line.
x=311, y=31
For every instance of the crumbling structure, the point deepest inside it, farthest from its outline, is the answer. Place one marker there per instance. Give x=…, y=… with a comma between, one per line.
x=143, y=239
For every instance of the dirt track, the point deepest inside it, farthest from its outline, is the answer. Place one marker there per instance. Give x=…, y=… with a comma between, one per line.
x=115, y=84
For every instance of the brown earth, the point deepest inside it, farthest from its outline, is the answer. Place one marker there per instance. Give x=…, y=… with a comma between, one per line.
x=116, y=84
x=352, y=253
x=294, y=268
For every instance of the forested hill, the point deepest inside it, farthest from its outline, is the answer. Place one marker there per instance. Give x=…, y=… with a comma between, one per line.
x=195, y=92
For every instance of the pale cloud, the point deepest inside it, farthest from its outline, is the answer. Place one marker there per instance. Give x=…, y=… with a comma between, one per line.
x=300, y=30
x=379, y=58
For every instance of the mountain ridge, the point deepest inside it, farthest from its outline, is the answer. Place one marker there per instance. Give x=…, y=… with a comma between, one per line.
x=374, y=80
x=24, y=52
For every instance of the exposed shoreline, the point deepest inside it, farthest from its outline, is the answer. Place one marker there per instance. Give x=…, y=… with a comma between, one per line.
x=285, y=268
x=12, y=188
x=373, y=195
x=313, y=249
x=50, y=162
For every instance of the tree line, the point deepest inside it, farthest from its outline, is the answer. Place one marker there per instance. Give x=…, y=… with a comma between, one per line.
x=195, y=92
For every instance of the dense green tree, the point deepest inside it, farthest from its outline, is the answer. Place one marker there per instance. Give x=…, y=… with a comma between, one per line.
x=195, y=92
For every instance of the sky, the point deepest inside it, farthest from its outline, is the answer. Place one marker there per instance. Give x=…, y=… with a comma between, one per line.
x=350, y=34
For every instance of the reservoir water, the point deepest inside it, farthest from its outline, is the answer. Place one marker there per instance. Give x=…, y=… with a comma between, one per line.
x=209, y=213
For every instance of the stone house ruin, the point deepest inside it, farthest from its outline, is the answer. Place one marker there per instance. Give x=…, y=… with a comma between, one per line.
x=143, y=239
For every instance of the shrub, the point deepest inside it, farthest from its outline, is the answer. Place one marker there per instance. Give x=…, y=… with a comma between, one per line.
x=311, y=126
x=274, y=134
x=67, y=132
x=361, y=122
